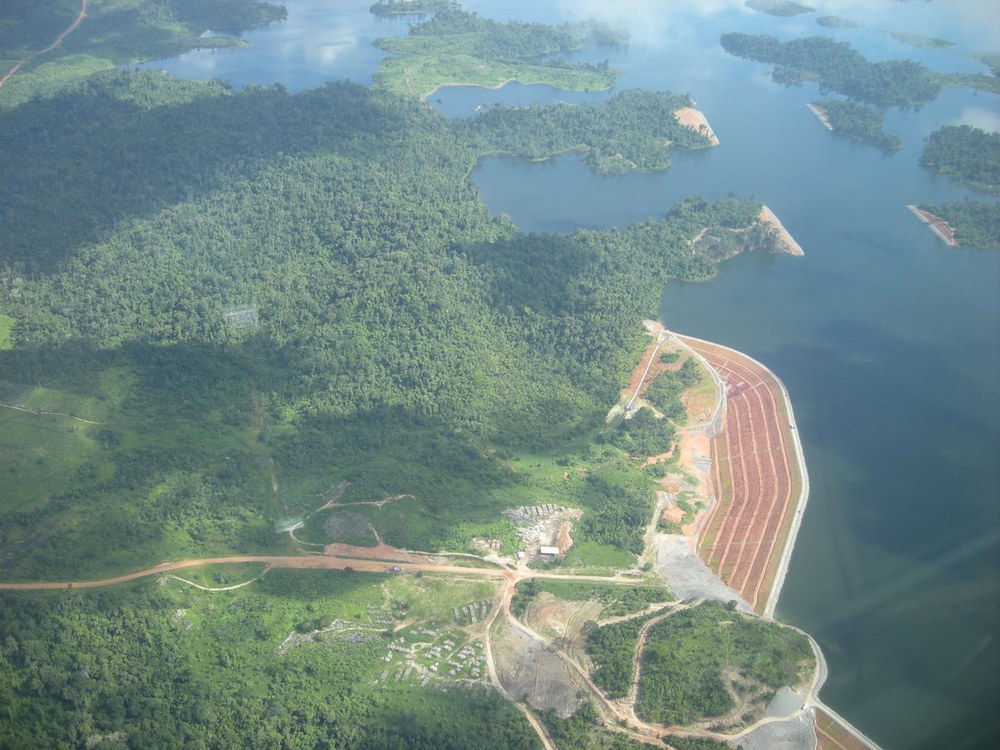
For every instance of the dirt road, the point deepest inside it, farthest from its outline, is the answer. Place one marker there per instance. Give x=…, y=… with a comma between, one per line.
x=58, y=40
x=320, y=562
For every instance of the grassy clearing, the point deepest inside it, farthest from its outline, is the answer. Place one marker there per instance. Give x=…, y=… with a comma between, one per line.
x=416, y=76
x=594, y=555
x=226, y=574
x=432, y=598
x=615, y=600
x=87, y=500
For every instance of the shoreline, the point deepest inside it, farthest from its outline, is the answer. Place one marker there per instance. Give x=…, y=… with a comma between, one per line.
x=797, y=503
x=767, y=216
x=696, y=120
x=826, y=721
x=936, y=224
x=821, y=115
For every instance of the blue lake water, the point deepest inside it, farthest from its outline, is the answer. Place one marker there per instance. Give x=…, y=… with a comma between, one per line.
x=888, y=341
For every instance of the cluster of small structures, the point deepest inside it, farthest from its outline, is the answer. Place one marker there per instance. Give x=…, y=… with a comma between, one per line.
x=471, y=613
x=525, y=514
x=437, y=657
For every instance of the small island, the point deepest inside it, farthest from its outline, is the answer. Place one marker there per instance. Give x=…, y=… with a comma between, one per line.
x=854, y=121
x=920, y=41
x=837, y=66
x=409, y=7
x=782, y=8
x=459, y=48
x=968, y=154
x=633, y=131
x=836, y=22
x=963, y=224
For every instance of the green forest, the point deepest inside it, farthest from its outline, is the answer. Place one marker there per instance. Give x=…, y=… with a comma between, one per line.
x=632, y=131
x=221, y=310
x=838, y=67
x=968, y=154
x=689, y=655
x=314, y=213
x=455, y=46
x=857, y=121
x=780, y=8
x=163, y=665
x=395, y=7
x=976, y=224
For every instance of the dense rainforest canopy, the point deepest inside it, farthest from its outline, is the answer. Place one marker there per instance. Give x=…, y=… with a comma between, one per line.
x=836, y=66
x=387, y=303
x=221, y=310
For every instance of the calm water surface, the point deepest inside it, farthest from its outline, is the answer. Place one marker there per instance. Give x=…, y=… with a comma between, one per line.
x=888, y=341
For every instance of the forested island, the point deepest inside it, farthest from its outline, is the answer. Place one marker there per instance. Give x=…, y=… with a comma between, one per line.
x=974, y=223
x=403, y=7
x=836, y=22
x=782, y=8
x=855, y=121
x=634, y=130
x=968, y=154
x=836, y=66
x=456, y=47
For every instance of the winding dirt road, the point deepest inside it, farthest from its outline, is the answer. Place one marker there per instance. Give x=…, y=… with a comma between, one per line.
x=58, y=40
x=320, y=562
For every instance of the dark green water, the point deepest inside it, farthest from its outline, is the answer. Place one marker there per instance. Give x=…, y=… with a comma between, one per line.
x=888, y=341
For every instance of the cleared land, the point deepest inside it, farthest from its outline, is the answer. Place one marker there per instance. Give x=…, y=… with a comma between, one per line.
x=767, y=216
x=756, y=478
x=696, y=120
x=936, y=224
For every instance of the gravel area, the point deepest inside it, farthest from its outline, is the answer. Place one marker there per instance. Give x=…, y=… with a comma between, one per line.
x=793, y=734
x=785, y=703
x=687, y=576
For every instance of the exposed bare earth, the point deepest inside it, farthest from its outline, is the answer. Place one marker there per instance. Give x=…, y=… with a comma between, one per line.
x=821, y=115
x=936, y=224
x=694, y=119
x=767, y=216
x=833, y=736
x=755, y=476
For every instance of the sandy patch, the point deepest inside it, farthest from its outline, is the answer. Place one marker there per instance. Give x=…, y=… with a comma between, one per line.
x=791, y=246
x=936, y=224
x=821, y=114
x=694, y=119
x=553, y=617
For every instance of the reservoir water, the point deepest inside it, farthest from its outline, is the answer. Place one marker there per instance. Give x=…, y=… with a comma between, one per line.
x=888, y=341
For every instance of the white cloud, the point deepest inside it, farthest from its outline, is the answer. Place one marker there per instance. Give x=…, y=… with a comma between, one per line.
x=979, y=117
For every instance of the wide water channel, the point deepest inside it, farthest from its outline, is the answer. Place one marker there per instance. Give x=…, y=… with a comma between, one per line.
x=888, y=341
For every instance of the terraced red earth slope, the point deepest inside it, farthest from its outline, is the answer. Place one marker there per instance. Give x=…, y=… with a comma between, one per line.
x=755, y=478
